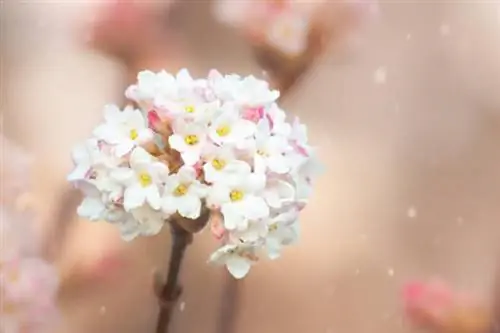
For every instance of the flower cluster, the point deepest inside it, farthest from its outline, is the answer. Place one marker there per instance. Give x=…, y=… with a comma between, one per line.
x=219, y=144
x=28, y=284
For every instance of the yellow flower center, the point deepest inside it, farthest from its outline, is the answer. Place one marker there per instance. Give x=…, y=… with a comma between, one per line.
x=133, y=134
x=181, y=190
x=145, y=179
x=189, y=108
x=273, y=227
x=261, y=152
x=191, y=139
x=223, y=130
x=236, y=195
x=218, y=164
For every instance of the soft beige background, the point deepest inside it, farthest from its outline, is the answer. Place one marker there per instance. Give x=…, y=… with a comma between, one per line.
x=413, y=167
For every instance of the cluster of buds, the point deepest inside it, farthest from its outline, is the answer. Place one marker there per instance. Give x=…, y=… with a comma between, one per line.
x=218, y=146
x=28, y=284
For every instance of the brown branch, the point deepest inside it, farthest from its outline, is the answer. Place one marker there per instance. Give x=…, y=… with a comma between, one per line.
x=182, y=231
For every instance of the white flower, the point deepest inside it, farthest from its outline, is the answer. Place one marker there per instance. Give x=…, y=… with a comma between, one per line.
x=150, y=85
x=189, y=110
x=188, y=139
x=221, y=162
x=278, y=192
x=252, y=92
x=142, y=180
x=183, y=194
x=93, y=162
x=229, y=127
x=84, y=157
x=142, y=221
x=239, y=200
x=289, y=33
x=92, y=208
x=124, y=129
x=282, y=230
x=278, y=125
x=238, y=259
x=270, y=150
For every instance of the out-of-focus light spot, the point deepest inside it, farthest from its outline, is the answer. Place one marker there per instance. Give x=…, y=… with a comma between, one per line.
x=408, y=36
x=182, y=306
x=102, y=310
x=390, y=272
x=460, y=221
x=380, y=75
x=444, y=30
x=357, y=271
x=412, y=212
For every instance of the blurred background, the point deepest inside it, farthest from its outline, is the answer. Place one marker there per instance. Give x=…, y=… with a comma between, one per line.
x=400, y=97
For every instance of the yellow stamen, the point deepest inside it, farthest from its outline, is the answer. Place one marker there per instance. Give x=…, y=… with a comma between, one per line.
x=236, y=195
x=218, y=164
x=189, y=108
x=191, y=139
x=223, y=130
x=261, y=152
x=181, y=190
x=133, y=134
x=273, y=227
x=145, y=179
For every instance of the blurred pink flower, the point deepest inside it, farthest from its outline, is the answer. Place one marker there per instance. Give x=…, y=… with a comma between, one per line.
x=436, y=306
x=427, y=301
x=28, y=284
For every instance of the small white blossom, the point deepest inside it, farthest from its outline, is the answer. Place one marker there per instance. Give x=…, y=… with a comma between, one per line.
x=125, y=129
x=230, y=128
x=269, y=150
x=222, y=162
x=239, y=200
x=183, y=194
x=141, y=180
x=189, y=140
x=238, y=259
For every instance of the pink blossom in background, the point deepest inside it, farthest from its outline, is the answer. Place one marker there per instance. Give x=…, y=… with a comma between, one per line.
x=427, y=300
x=285, y=24
x=28, y=284
x=436, y=306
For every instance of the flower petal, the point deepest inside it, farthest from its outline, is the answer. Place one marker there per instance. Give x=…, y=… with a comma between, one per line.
x=134, y=197
x=91, y=208
x=189, y=207
x=238, y=267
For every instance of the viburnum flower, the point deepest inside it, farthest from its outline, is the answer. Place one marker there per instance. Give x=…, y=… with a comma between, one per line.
x=239, y=200
x=219, y=144
x=125, y=129
x=141, y=180
x=183, y=194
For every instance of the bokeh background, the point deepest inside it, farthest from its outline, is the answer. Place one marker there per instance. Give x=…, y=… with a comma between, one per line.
x=406, y=115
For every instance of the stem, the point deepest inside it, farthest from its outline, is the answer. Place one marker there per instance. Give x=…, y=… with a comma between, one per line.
x=172, y=290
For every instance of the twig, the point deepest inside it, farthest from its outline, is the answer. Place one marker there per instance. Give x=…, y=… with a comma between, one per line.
x=172, y=290
x=182, y=231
